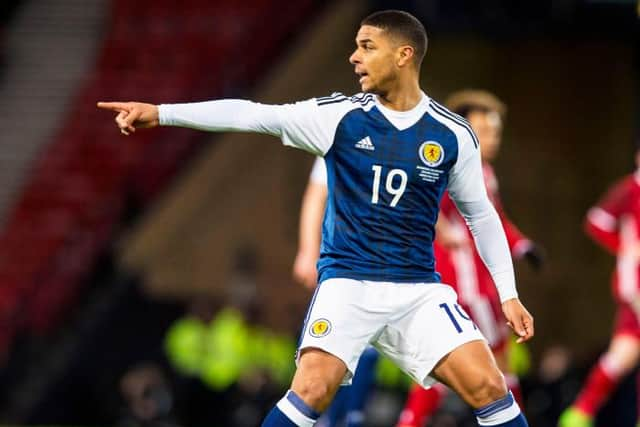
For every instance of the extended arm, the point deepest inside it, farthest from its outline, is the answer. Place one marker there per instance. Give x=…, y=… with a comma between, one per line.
x=308, y=125
x=222, y=115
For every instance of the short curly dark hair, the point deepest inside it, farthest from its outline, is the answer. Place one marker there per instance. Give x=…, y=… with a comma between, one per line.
x=404, y=25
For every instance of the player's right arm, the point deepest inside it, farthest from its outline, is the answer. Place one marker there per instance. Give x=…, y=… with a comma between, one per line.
x=309, y=125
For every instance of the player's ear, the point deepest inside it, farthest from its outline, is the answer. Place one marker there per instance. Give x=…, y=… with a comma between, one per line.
x=405, y=55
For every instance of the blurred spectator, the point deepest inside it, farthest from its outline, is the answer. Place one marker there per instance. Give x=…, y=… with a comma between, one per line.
x=226, y=358
x=148, y=397
x=550, y=388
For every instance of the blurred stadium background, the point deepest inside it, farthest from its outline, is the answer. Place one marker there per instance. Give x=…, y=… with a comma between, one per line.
x=116, y=253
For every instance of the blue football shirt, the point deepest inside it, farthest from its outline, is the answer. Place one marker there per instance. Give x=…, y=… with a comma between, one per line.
x=386, y=173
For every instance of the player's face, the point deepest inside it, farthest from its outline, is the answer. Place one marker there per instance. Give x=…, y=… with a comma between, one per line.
x=374, y=59
x=488, y=128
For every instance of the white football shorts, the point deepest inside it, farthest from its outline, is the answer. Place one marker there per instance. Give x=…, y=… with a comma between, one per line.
x=413, y=324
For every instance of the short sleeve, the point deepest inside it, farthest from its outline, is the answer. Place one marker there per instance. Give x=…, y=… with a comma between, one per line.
x=319, y=172
x=311, y=125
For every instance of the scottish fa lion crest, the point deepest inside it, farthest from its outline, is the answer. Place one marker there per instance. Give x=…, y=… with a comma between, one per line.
x=431, y=153
x=320, y=328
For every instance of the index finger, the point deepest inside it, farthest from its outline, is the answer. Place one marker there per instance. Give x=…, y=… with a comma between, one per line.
x=113, y=106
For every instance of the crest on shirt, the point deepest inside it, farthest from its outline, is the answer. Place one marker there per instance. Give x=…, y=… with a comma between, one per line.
x=320, y=328
x=431, y=153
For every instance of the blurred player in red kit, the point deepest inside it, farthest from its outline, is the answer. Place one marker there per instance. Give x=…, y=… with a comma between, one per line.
x=460, y=264
x=614, y=223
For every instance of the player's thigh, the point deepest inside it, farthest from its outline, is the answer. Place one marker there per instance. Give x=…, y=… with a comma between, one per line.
x=317, y=377
x=341, y=321
x=472, y=372
x=432, y=326
x=486, y=312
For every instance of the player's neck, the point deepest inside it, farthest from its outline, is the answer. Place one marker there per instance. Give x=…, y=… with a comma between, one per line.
x=403, y=97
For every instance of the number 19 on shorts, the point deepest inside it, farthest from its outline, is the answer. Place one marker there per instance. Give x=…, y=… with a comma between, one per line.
x=460, y=312
x=393, y=186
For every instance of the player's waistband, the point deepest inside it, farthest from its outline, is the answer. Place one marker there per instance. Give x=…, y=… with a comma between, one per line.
x=393, y=277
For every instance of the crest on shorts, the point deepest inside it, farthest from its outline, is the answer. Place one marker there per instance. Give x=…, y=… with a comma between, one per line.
x=431, y=153
x=320, y=328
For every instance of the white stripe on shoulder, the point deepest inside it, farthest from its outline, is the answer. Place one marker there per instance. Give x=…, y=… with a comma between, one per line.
x=334, y=98
x=363, y=100
x=456, y=118
x=463, y=133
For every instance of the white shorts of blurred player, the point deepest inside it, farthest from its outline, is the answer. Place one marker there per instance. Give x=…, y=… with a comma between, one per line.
x=413, y=324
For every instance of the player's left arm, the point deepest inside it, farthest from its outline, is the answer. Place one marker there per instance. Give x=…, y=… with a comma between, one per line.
x=467, y=190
